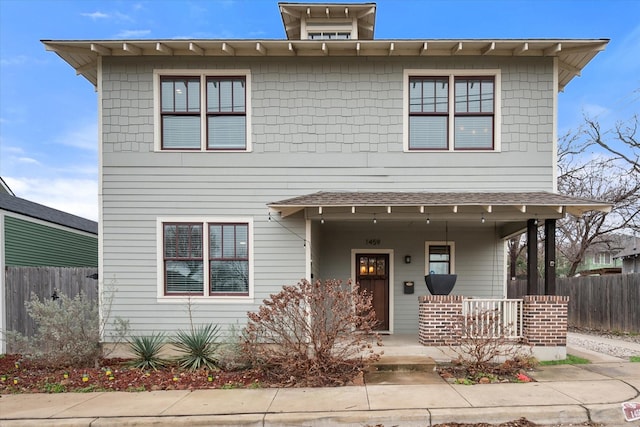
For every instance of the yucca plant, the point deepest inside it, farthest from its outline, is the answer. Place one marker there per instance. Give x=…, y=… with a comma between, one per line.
x=199, y=345
x=146, y=350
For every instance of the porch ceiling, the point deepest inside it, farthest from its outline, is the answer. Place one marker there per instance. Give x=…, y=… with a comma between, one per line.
x=451, y=205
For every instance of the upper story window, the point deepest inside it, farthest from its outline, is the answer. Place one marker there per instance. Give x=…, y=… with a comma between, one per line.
x=474, y=113
x=329, y=35
x=205, y=258
x=226, y=113
x=602, y=258
x=341, y=29
x=451, y=110
x=202, y=111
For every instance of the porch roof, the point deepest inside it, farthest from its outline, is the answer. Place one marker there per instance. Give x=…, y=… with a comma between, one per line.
x=452, y=202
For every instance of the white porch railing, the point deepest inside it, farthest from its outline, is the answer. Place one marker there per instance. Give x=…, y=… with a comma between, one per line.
x=492, y=318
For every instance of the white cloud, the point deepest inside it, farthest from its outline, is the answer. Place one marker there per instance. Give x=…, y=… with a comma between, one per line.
x=84, y=137
x=96, y=15
x=74, y=196
x=28, y=160
x=595, y=111
x=128, y=34
x=16, y=60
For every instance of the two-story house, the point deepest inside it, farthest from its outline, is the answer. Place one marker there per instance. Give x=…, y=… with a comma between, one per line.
x=229, y=168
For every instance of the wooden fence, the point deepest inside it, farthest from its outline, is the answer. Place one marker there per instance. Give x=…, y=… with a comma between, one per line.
x=45, y=282
x=609, y=302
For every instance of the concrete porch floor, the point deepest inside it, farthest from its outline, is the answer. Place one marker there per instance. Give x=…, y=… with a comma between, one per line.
x=395, y=345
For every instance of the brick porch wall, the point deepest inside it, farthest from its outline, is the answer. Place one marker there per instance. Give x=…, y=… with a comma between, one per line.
x=545, y=319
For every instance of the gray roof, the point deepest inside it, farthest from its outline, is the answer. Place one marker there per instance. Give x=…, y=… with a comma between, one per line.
x=44, y=213
x=631, y=250
x=561, y=202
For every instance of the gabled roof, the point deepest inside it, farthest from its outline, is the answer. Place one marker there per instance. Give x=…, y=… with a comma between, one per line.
x=445, y=202
x=44, y=213
x=573, y=55
x=293, y=15
x=4, y=188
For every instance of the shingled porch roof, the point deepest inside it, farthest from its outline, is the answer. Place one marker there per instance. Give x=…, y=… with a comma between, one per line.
x=543, y=203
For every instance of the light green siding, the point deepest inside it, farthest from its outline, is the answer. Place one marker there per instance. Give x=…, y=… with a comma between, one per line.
x=29, y=244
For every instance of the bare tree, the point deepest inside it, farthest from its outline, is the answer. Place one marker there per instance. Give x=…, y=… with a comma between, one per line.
x=515, y=248
x=611, y=177
x=625, y=133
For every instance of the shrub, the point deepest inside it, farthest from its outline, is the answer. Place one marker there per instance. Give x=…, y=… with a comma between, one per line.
x=68, y=330
x=482, y=341
x=146, y=350
x=230, y=355
x=313, y=334
x=199, y=345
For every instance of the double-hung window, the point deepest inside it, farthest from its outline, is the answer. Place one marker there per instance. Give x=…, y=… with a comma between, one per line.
x=208, y=258
x=451, y=110
x=474, y=113
x=203, y=111
x=428, y=112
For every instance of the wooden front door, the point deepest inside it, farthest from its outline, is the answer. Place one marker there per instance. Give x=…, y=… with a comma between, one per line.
x=373, y=276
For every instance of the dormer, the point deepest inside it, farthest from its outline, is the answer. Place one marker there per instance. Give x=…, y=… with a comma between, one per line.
x=328, y=21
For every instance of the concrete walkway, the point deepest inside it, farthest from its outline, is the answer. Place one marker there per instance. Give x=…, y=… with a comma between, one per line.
x=562, y=394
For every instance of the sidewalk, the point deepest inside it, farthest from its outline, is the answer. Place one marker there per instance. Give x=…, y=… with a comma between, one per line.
x=562, y=394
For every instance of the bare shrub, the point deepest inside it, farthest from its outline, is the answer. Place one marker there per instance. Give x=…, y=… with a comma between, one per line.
x=482, y=341
x=313, y=334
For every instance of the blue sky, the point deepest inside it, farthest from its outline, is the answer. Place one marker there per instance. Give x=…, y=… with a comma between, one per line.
x=48, y=115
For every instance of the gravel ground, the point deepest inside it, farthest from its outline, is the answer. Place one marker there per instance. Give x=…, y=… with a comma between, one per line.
x=614, y=348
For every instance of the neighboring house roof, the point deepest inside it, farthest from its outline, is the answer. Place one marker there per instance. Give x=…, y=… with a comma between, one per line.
x=573, y=54
x=632, y=250
x=4, y=188
x=44, y=213
x=482, y=201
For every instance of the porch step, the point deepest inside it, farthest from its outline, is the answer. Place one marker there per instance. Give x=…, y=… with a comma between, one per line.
x=404, y=364
x=403, y=370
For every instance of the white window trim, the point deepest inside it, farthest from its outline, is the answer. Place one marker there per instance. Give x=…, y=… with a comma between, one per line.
x=203, y=74
x=343, y=25
x=182, y=299
x=452, y=74
x=452, y=254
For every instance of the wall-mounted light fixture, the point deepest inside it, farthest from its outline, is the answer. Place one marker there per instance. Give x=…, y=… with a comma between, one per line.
x=407, y=259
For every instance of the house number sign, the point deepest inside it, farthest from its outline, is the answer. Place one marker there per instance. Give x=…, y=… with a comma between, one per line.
x=372, y=242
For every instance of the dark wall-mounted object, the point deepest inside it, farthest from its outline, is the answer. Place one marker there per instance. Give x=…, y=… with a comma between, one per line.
x=408, y=287
x=440, y=284
x=407, y=259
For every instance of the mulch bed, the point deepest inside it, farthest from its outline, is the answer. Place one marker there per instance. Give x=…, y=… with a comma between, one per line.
x=18, y=375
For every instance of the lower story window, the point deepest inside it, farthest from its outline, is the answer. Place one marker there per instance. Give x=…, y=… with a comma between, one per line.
x=224, y=272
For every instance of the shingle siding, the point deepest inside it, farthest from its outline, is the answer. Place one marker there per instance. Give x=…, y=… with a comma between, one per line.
x=317, y=124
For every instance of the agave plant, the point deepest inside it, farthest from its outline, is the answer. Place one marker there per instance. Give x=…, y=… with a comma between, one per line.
x=146, y=350
x=199, y=346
